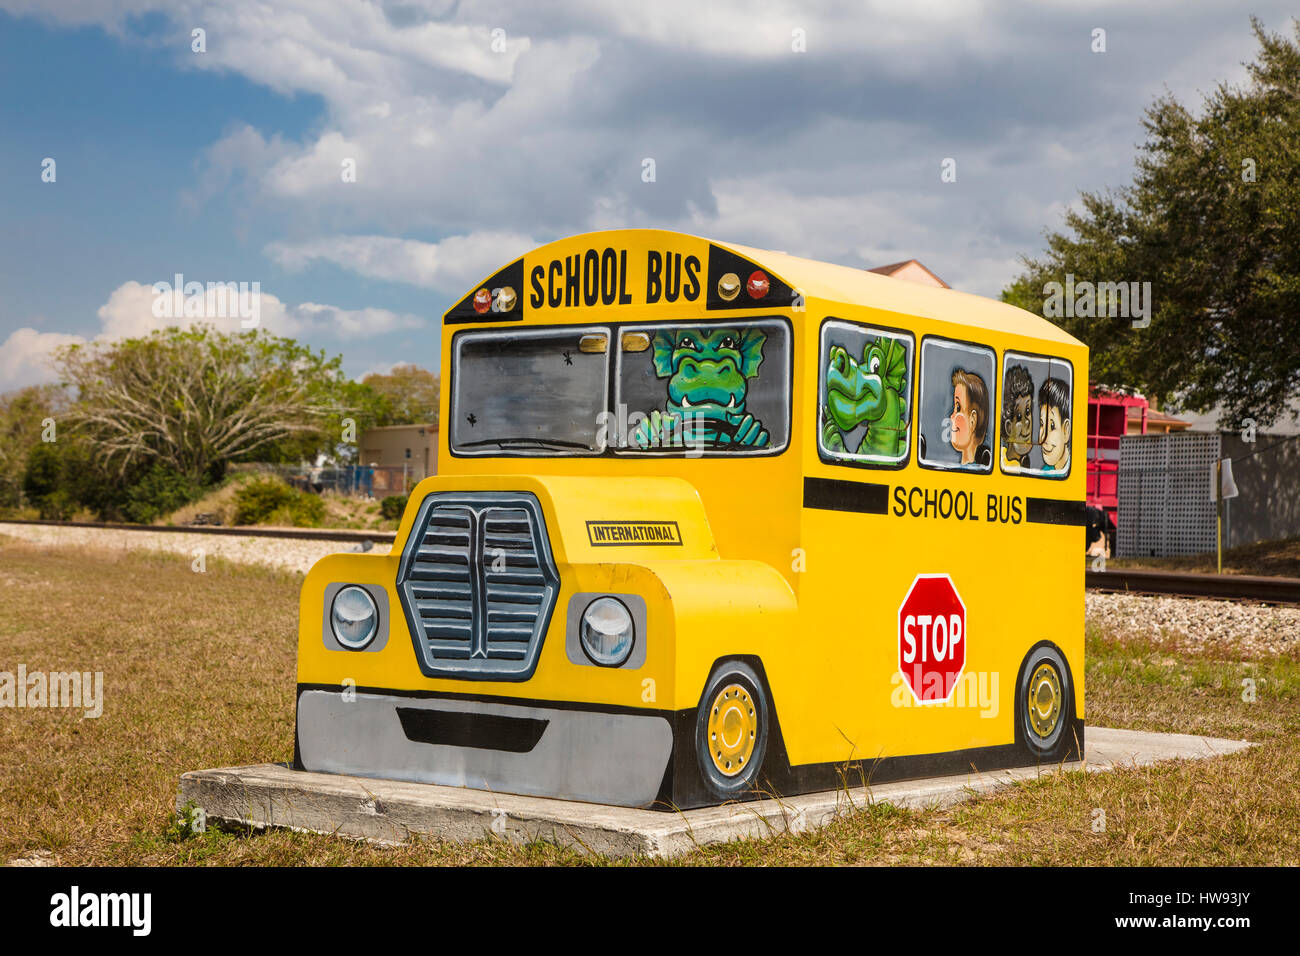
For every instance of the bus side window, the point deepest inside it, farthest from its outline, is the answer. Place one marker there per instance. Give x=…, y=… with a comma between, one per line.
x=1037, y=403
x=956, y=402
x=864, y=394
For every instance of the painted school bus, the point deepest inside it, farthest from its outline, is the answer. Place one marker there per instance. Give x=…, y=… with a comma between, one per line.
x=712, y=521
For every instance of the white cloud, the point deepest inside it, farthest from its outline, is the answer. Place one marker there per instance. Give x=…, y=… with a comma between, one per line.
x=131, y=312
x=352, y=323
x=452, y=264
x=25, y=357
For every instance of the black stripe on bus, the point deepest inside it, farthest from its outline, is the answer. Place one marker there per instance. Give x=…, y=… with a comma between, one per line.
x=833, y=494
x=1056, y=511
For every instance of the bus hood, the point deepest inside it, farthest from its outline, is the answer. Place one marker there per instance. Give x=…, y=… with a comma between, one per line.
x=597, y=519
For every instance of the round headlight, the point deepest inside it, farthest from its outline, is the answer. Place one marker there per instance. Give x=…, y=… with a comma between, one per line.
x=607, y=632
x=354, y=617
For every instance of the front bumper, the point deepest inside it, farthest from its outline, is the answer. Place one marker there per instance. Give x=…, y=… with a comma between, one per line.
x=600, y=756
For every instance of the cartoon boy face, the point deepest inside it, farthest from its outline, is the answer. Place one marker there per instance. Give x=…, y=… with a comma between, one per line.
x=1020, y=426
x=969, y=418
x=962, y=439
x=1054, y=438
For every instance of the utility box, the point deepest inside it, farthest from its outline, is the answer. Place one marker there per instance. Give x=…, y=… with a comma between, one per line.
x=1166, y=491
x=1165, y=507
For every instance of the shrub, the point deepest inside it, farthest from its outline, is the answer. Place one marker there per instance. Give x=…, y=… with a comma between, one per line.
x=257, y=500
x=53, y=478
x=271, y=501
x=42, y=479
x=307, y=510
x=58, y=505
x=393, y=506
x=63, y=477
x=161, y=491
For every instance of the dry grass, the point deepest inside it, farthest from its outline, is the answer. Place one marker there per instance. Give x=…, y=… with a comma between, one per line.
x=199, y=672
x=1279, y=558
x=219, y=502
x=341, y=511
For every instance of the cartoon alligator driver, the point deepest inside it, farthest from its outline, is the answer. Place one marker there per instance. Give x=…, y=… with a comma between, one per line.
x=872, y=392
x=708, y=372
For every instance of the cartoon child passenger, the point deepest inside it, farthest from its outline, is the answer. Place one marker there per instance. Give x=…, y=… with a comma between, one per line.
x=1017, y=417
x=1054, y=425
x=970, y=418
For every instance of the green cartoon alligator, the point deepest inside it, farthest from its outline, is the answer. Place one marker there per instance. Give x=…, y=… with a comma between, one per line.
x=708, y=372
x=872, y=393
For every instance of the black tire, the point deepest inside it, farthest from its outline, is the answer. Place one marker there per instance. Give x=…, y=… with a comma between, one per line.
x=725, y=782
x=1053, y=747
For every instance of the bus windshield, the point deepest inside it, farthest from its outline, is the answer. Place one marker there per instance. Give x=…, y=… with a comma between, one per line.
x=686, y=388
x=534, y=392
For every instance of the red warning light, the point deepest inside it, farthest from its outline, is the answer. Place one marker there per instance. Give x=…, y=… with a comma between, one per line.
x=758, y=285
x=482, y=301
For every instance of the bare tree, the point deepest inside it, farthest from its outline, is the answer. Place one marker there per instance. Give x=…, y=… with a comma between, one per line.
x=196, y=398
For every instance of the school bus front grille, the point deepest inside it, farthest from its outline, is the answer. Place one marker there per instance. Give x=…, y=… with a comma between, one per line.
x=478, y=585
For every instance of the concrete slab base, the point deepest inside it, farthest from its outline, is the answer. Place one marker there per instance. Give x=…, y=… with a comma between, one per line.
x=390, y=811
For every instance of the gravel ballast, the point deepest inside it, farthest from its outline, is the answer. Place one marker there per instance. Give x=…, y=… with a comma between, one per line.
x=284, y=553
x=1196, y=623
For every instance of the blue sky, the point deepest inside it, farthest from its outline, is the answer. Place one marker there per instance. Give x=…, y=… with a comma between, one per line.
x=225, y=165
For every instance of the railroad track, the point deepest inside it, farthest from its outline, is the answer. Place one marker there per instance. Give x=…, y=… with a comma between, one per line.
x=1231, y=587
x=300, y=534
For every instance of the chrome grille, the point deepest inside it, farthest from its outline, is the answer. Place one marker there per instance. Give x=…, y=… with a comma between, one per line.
x=478, y=584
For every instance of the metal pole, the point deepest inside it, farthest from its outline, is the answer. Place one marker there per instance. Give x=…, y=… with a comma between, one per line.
x=1218, y=512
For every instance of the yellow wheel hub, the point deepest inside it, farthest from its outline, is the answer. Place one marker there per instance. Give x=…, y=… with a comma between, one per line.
x=732, y=729
x=1044, y=700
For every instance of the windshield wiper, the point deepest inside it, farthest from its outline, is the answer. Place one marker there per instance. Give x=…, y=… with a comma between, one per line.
x=552, y=444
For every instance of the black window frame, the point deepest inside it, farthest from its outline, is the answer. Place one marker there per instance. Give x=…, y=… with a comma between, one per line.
x=615, y=330
x=993, y=404
x=913, y=393
x=1038, y=473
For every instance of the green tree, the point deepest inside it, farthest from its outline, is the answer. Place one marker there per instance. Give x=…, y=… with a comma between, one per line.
x=44, y=482
x=408, y=395
x=1212, y=221
x=64, y=476
x=159, y=491
x=355, y=403
x=23, y=417
x=196, y=399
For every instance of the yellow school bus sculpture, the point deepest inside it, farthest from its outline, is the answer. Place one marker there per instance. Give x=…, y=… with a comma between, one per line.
x=712, y=521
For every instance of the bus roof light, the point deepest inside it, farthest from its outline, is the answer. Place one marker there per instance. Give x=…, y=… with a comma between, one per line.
x=728, y=287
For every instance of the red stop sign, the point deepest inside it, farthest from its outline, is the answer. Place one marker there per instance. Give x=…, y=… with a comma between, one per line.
x=932, y=637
